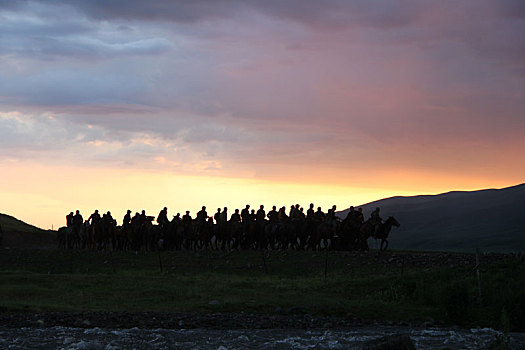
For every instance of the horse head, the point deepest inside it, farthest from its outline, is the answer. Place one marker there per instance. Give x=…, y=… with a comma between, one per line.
x=392, y=221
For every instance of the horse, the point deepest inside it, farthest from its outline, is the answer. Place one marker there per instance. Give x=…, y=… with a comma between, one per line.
x=349, y=235
x=378, y=231
x=62, y=235
x=324, y=233
x=383, y=230
x=174, y=235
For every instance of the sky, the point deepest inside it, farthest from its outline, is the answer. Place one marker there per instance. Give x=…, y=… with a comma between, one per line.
x=116, y=105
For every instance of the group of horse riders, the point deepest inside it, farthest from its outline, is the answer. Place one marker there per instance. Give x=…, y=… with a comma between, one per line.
x=245, y=216
x=247, y=228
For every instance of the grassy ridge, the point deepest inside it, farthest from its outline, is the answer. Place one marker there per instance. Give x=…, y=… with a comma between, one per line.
x=457, y=221
x=369, y=285
x=10, y=223
x=17, y=233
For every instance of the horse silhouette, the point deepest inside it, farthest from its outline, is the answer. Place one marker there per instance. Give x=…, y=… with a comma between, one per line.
x=378, y=231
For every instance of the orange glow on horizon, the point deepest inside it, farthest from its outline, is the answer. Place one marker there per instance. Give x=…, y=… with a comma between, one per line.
x=43, y=195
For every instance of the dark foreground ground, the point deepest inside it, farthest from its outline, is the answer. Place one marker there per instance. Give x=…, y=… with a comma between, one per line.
x=259, y=290
x=166, y=320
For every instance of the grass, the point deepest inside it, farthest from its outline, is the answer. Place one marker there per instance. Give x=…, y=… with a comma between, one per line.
x=10, y=223
x=364, y=285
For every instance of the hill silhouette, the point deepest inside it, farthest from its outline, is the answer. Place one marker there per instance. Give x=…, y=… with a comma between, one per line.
x=18, y=234
x=492, y=220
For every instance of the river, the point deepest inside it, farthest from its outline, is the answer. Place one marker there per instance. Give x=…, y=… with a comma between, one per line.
x=135, y=338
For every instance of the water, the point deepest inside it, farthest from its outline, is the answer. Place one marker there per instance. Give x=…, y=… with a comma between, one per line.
x=135, y=338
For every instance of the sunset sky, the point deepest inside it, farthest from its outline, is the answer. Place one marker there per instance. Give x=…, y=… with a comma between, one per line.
x=134, y=104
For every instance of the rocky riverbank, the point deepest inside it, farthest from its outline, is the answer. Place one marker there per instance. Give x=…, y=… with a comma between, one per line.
x=177, y=320
x=295, y=319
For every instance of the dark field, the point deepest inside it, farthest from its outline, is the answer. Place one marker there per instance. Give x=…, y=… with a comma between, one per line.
x=437, y=288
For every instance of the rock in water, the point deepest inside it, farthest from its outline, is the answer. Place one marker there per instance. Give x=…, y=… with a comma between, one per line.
x=390, y=342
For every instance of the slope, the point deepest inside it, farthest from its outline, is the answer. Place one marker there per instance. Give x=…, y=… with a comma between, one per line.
x=18, y=234
x=493, y=220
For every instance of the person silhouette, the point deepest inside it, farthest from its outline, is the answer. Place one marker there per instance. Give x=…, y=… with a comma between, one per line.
x=202, y=215
x=273, y=215
x=236, y=217
x=310, y=213
x=127, y=219
x=260, y=216
x=319, y=215
x=245, y=213
x=69, y=219
x=375, y=220
x=78, y=220
x=217, y=216
x=94, y=218
x=224, y=215
x=162, y=218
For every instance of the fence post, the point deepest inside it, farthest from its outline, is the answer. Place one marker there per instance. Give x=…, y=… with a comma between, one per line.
x=264, y=261
x=159, y=244
x=326, y=262
x=210, y=265
x=478, y=274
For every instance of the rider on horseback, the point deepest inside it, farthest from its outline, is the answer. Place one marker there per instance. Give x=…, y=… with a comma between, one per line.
x=282, y=215
x=69, y=219
x=350, y=215
x=77, y=222
x=302, y=217
x=176, y=219
x=224, y=215
x=319, y=215
x=331, y=219
x=108, y=223
x=108, y=219
x=186, y=219
x=245, y=213
x=127, y=219
x=235, y=216
x=95, y=221
x=202, y=215
x=162, y=219
x=375, y=220
x=295, y=213
x=261, y=215
x=354, y=217
x=252, y=216
x=94, y=218
x=310, y=213
x=360, y=215
x=217, y=215
x=273, y=215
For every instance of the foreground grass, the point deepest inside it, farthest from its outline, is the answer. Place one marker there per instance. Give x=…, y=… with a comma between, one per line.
x=365, y=285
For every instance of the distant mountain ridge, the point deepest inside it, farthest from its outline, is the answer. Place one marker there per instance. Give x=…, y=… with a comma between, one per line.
x=491, y=219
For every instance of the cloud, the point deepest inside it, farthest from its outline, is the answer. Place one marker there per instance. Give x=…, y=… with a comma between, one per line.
x=243, y=86
x=55, y=139
x=327, y=13
x=37, y=32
